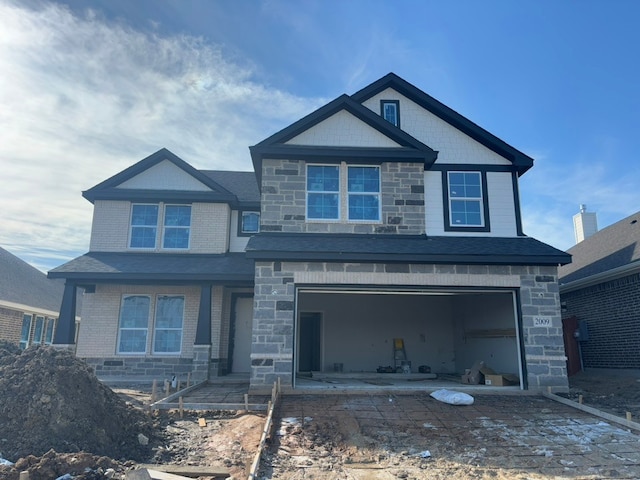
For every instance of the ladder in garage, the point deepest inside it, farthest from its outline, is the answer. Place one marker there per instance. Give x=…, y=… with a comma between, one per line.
x=399, y=353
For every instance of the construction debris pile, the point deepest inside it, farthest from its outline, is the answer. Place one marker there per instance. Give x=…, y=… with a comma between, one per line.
x=49, y=399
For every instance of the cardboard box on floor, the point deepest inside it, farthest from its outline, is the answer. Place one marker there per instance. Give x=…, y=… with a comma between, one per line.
x=476, y=374
x=481, y=374
x=501, y=380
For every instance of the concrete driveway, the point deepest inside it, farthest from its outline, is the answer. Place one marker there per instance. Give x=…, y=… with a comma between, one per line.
x=388, y=436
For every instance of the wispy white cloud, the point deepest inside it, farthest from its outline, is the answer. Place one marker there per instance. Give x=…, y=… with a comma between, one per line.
x=81, y=98
x=553, y=193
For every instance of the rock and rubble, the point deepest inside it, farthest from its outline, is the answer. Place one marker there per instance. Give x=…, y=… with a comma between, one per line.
x=51, y=400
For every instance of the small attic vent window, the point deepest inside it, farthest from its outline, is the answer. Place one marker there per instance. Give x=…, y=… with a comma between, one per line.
x=390, y=111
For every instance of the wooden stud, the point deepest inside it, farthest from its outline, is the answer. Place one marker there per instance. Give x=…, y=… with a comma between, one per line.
x=202, y=422
x=167, y=388
x=629, y=416
x=246, y=402
x=181, y=406
x=188, y=379
x=580, y=399
x=154, y=391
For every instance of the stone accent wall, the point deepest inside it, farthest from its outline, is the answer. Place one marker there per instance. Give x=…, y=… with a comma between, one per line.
x=611, y=310
x=147, y=368
x=284, y=201
x=272, y=351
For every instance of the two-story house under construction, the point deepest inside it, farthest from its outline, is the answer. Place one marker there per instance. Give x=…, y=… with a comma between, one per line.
x=382, y=215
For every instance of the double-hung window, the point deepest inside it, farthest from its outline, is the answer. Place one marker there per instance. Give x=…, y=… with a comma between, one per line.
x=343, y=192
x=144, y=226
x=134, y=324
x=363, y=185
x=175, y=227
x=168, y=324
x=323, y=192
x=26, y=330
x=39, y=330
x=466, y=204
x=177, y=224
x=48, y=333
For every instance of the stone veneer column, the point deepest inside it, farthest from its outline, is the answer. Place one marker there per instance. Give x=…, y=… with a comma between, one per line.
x=272, y=337
x=542, y=329
x=201, y=363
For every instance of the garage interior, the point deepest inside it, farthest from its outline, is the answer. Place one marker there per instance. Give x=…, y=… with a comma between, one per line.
x=350, y=336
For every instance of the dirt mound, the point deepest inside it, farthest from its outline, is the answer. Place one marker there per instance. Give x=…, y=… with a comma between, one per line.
x=81, y=466
x=49, y=399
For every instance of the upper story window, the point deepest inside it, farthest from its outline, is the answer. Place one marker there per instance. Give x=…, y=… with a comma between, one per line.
x=175, y=227
x=390, y=111
x=364, y=193
x=144, y=226
x=329, y=187
x=466, y=202
x=249, y=223
x=323, y=192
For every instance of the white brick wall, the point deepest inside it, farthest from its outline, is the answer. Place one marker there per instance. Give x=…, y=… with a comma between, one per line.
x=110, y=228
x=344, y=130
x=111, y=224
x=453, y=146
x=101, y=310
x=164, y=176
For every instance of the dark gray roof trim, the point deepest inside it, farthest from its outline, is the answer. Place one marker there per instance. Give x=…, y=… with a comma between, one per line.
x=391, y=80
x=405, y=249
x=154, y=267
x=107, y=189
x=186, y=196
x=274, y=146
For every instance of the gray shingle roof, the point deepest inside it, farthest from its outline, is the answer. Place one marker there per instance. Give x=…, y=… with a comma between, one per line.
x=21, y=283
x=242, y=184
x=97, y=266
x=612, y=247
x=401, y=248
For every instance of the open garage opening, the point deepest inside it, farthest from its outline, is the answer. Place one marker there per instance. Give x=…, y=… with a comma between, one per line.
x=354, y=333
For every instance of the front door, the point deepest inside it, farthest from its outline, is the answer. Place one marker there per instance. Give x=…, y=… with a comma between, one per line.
x=242, y=322
x=309, y=347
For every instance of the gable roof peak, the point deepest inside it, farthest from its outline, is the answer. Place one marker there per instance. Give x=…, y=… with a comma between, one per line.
x=108, y=188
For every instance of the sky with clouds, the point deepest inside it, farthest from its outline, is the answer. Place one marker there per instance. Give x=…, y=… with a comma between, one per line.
x=88, y=88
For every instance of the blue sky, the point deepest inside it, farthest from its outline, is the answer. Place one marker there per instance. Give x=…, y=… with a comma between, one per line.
x=90, y=87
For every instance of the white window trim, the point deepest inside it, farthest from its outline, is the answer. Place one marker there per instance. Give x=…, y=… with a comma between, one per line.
x=132, y=226
x=343, y=195
x=155, y=326
x=149, y=316
x=160, y=228
x=339, y=192
x=165, y=227
x=479, y=200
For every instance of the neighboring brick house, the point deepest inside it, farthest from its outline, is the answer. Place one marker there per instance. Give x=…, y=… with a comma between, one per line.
x=383, y=215
x=29, y=302
x=601, y=287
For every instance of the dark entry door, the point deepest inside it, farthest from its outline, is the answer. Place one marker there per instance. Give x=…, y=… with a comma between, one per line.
x=571, y=348
x=309, y=348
